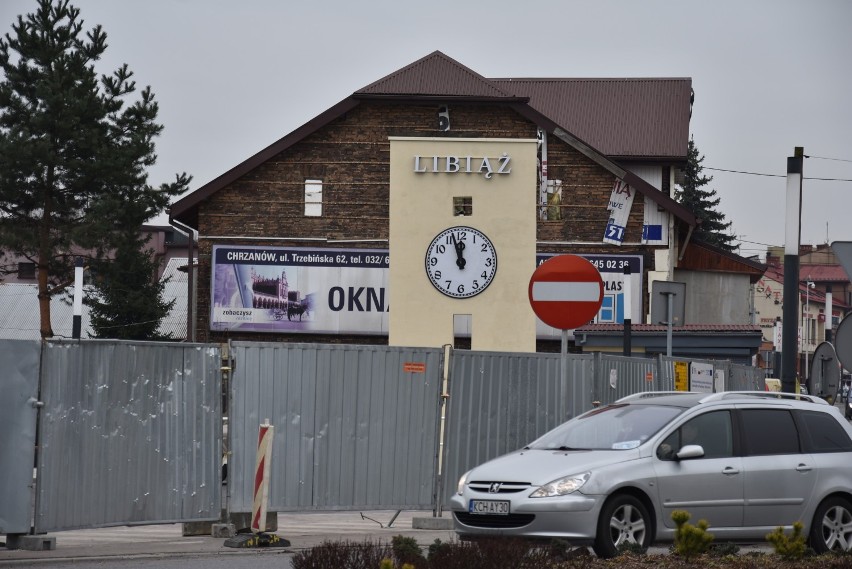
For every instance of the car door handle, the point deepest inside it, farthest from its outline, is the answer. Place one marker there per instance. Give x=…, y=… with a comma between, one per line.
x=804, y=468
x=730, y=470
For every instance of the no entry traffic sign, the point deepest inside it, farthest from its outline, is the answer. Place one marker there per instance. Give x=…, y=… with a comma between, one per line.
x=566, y=291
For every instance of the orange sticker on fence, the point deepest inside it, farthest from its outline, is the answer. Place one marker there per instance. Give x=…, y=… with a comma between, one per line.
x=649, y=376
x=414, y=367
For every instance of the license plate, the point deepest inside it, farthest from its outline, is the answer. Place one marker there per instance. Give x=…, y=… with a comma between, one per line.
x=493, y=507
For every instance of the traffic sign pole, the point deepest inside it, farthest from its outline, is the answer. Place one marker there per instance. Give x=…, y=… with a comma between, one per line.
x=565, y=292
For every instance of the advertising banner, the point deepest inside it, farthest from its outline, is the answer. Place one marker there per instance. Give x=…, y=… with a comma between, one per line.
x=620, y=203
x=281, y=289
x=701, y=377
x=345, y=291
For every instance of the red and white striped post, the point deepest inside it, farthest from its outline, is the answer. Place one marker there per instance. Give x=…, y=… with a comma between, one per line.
x=261, y=477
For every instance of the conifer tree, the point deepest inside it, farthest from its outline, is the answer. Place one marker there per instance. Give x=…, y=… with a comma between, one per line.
x=74, y=149
x=127, y=302
x=713, y=228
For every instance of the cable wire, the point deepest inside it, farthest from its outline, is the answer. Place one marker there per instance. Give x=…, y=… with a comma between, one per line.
x=776, y=175
x=824, y=158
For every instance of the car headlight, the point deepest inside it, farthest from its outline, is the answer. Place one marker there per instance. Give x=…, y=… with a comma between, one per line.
x=562, y=486
x=462, y=480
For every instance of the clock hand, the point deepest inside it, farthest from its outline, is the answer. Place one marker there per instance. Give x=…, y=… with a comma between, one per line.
x=460, y=261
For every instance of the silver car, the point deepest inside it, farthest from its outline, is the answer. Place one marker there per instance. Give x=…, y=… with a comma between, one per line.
x=747, y=462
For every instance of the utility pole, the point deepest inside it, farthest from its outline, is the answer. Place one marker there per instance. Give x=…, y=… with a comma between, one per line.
x=793, y=231
x=628, y=350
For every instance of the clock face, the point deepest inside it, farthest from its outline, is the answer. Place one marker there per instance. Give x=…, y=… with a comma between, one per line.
x=461, y=262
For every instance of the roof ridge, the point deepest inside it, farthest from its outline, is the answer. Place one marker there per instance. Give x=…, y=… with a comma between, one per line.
x=578, y=79
x=410, y=72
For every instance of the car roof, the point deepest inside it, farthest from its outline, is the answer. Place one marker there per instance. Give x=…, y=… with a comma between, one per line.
x=688, y=399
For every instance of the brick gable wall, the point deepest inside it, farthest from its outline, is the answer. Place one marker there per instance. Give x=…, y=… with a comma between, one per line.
x=351, y=155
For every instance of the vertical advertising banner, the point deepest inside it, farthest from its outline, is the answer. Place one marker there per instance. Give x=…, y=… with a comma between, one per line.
x=620, y=202
x=277, y=289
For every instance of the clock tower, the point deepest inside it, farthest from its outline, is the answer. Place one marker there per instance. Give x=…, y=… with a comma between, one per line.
x=462, y=242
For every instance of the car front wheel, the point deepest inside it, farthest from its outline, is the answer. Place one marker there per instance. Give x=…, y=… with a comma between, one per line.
x=624, y=519
x=832, y=526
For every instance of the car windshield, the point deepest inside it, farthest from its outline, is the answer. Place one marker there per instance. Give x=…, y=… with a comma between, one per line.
x=618, y=427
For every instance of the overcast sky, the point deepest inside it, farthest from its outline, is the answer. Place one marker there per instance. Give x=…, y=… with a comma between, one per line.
x=233, y=76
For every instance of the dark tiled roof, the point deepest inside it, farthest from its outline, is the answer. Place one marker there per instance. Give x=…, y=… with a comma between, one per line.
x=823, y=273
x=701, y=256
x=622, y=118
x=776, y=273
x=703, y=329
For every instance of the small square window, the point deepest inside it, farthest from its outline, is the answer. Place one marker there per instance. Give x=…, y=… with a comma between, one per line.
x=26, y=271
x=463, y=206
x=313, y=198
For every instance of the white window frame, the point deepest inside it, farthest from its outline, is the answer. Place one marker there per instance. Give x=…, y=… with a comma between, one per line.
x=313, y=198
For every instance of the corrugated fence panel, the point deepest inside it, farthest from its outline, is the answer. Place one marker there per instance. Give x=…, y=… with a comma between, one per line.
x=500, y=402
x=131, y=434
x=355, y=426
x=620, y=376
x=579, y=384
x=19, y=365
x=667, y=371
x=746, y=378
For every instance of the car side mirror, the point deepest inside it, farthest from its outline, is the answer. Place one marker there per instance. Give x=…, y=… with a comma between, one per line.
x=690, y=451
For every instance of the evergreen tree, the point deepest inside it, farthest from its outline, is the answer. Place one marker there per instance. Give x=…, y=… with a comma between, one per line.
x=713, y=228
x=74, y=149
x=128, y=302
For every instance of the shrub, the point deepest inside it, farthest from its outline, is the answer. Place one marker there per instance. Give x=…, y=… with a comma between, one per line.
x=352, y=555
x=690, y=540
x=435, y=547
x=493, y=553
x=407, y=551
x=790, y=548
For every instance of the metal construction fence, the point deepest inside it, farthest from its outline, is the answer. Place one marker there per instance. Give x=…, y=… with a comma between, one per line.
x=132, y=432
x=129, y=433
x=372, y=427
x=355, y=426
x=19, y=365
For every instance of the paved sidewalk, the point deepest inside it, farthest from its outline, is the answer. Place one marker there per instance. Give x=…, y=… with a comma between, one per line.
x=303, y=530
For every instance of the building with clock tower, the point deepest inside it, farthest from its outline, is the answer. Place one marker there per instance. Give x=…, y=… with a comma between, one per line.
x=414, y=211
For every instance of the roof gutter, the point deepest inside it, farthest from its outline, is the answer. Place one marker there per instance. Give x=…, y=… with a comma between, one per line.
x=192, y=235
x=685, y=243
x=438, y=98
